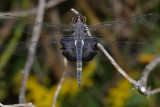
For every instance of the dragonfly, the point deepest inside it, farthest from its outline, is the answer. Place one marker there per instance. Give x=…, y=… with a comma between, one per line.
x=79, y=41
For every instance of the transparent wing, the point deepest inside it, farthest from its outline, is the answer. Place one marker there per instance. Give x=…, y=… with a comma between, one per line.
x=50, y=29
x=121, y=49
x=123, y=25
x=41, y=48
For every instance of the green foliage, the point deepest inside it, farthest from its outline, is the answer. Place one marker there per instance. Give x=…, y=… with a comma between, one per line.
x=8, y=51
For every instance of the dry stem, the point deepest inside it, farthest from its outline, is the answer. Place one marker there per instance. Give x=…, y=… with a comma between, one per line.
x=141, y=84
x=35, y=37
x=17, y=105
x=59, y=85
x=49, y=4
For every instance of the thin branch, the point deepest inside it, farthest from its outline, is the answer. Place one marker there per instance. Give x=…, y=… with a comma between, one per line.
x=142, y=88
x=49, y=4
x=155, y=91
x=59, y=85
x=17, y=105
x=148, y=69
x=35, y=37
x=146, y=91
x=116, y=65
x=74, y=11
x=138, y=84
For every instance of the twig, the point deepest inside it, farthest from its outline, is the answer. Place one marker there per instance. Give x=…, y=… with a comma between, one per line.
x=17, y=105
x=154, y=91
x=35, y=37
x=144, y=77
x=74, y=11
x=139, y=85
x=59, y=85
x=148, y=69
x=49, y=4
x=146, y=91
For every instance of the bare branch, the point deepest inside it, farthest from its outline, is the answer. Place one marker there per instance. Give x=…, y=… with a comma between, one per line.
x=74, y=11
x=49, y=4
x=59, y=85
x=139, y=85
x=144, y=77
x=146, y=91
x=155, y=91
x=148, y=69
x=35, y=37
x=17, y=105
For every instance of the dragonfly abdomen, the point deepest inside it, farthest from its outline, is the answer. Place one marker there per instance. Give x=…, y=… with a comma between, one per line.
x=79, y=72
x=79, y=47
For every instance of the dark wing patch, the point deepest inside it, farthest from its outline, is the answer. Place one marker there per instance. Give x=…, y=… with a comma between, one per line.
x=69, y=49
x=89, y=49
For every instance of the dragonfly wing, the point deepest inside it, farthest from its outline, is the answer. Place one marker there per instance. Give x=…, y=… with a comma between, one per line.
x=42, y=48
x=122, y=50
x=50, y=29
x=123, y=25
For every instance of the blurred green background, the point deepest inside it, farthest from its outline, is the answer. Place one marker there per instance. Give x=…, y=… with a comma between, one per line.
x=102, y=84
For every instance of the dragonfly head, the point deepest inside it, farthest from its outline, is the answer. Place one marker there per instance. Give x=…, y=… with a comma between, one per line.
x=79, y=18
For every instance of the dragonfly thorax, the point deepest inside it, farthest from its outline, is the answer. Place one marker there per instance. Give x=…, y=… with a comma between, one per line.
x=79, y=27
x=79, y=32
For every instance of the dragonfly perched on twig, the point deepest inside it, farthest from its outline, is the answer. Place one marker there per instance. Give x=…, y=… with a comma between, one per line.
x=79, y=42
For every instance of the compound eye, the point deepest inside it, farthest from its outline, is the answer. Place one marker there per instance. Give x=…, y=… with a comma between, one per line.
x=83, y=19
x=74, y=19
